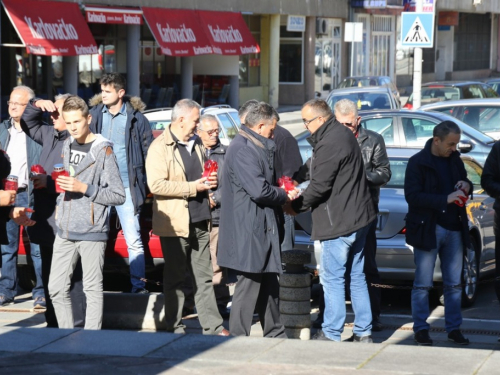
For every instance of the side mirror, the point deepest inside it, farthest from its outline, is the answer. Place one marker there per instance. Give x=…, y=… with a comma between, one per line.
x=464, y=146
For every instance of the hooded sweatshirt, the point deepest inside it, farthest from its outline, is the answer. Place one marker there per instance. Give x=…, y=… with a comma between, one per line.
x=84, y=217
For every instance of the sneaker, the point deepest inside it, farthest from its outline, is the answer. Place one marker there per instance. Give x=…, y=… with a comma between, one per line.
x=320, y=336
x=5, y=301
x=377, y=325
x=141, y=291
x=40, y=303
x=422, y=337
x=457, y=337
x=367, y=339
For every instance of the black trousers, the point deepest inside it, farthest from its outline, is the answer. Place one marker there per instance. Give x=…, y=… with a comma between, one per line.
x=78, y=301
x=371, y=270
x=260, y=292
x=496, y=229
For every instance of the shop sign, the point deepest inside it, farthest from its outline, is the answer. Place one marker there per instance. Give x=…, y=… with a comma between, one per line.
x=427, y=5
x=119, y=16
x=448, y=19
x=54, y=29
x=368, y=4
x=296, y=23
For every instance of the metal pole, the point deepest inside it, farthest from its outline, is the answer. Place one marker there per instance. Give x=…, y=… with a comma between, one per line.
x=417, y=68
x=352, y=58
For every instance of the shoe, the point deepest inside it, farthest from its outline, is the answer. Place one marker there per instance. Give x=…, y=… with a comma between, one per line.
x=422, y=337
x=5, y=301
x=320, y=335
x=457, y=337
x=141, y=291
x=318, y=323
x=224, y=332
x=224, y=312
x=40, y=303
x=367, y=339
x=377, y=325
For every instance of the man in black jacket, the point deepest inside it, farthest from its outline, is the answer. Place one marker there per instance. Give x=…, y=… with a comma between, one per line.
x=378, y=173
x=208, y=133
x=436, y=186
x=250, y=224
x=342, y=211
x=490, y=181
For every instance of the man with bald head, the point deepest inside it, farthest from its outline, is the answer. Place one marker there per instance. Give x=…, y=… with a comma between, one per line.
x=23, y=153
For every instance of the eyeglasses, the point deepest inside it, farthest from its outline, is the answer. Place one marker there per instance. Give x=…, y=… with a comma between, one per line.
x=16, y=104
x=211, y=132
x=307, y=122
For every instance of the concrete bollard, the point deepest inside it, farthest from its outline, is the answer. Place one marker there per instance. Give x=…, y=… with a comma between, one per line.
x=295, y=294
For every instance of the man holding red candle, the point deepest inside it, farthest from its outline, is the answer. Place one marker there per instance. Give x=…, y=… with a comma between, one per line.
x=181, y=217
x=436, y=185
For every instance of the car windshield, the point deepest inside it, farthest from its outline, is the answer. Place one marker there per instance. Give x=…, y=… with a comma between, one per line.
x=364, y=101
x=438, y=94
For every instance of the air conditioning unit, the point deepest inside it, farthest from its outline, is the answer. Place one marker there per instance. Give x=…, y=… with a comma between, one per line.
x=321, y=26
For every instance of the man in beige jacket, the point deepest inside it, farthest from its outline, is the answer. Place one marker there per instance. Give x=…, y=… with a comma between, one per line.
x=181, y=217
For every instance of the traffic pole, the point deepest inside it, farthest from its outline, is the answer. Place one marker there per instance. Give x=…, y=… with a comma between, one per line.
x=417, y=68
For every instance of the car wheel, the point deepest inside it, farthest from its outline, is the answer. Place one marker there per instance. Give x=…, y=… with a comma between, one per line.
x=470, y=276
x=26, y=277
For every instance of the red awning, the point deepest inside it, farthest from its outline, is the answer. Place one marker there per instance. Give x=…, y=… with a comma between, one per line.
x=228, y=33
x=122, y=16
x=178, y=32
x=51, y=28
x=181, y=32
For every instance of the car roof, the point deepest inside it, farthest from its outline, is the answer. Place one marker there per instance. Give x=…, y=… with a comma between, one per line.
x=374, y=89
x=451, y=83
x=365, y=77
x=463, y=102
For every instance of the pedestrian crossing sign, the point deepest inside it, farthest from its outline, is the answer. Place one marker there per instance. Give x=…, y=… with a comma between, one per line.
x=417, y=29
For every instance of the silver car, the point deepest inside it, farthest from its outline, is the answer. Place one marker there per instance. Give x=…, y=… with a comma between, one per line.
x=367, y=98
x=395, y=257
x=480, y=114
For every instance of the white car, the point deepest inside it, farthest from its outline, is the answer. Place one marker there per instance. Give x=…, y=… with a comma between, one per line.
x=229, y=122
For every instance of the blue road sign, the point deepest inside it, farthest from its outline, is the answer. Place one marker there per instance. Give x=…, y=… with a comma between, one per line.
x=417, y=29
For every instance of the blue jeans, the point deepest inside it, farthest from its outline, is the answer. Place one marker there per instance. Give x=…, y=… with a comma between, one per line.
x=339, y=255
x=450, y=249
x=8, y=281
x=288, y=241
x=132, y=233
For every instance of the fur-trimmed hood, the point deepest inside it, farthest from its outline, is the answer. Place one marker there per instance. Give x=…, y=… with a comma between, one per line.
x=135, y=102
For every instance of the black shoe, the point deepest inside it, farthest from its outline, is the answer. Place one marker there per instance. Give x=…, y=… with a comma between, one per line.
x=422, y=337
x=320, y=336
x=365, y=339
x=377, y=325
x=318, y=322
x=457, y=337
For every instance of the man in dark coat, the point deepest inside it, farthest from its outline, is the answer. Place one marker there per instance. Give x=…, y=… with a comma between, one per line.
x=378, y=173
x=118, y=118
x=436, y=185
x=342, y=212
x=51, y=138
x=249, y=239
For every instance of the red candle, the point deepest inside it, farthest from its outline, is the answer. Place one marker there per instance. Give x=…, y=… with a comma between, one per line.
x=59, y=171
x=11, y=183
x=209, y=167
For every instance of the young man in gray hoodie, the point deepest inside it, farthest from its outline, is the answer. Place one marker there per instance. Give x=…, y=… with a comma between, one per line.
x=93, y=184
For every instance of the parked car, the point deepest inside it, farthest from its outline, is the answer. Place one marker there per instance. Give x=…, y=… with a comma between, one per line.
x=229, y=122
x=433, y=92
x=366, y=98
x=364, y=81
x=480, y=114
x=494, y=83
x=116, y=256
x=395, y=257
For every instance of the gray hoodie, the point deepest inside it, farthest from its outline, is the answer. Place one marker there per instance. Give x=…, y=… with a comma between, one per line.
x=84, y=217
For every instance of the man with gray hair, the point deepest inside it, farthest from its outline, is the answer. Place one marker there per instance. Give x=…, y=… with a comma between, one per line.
x=23, y=153
x=251, y=223
x=342, y=211
x=181, y=217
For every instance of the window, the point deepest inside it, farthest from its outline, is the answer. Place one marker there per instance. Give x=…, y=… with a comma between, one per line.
x=417, y=131
x=383, y=126
x=474, y=172
x=250, y=63
x=227, y=125
x=472, y=42
x=398, y=171
x=490, y=92
x=291, y=56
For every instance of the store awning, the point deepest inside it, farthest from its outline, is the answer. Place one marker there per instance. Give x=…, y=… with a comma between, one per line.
x=109, y=15
x=177, y=31
x=182, y=32
x=51, y=28
x=228, y=33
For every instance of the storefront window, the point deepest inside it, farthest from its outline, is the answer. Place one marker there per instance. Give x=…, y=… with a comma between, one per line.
x=291, y=56
x=472, y=42
x=250, y=63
